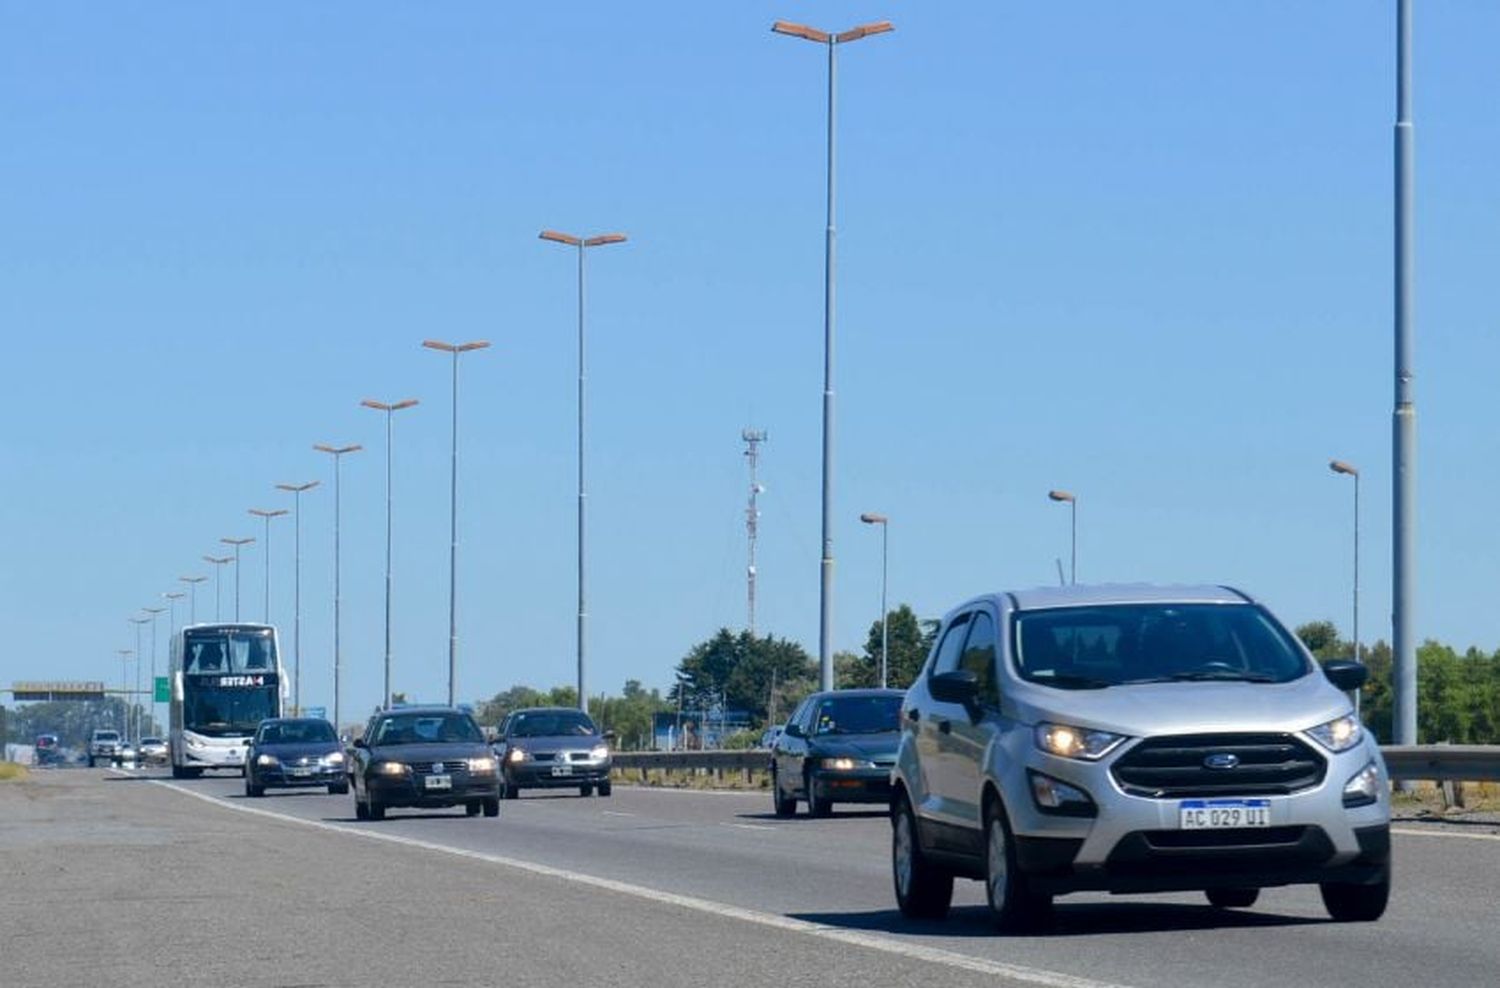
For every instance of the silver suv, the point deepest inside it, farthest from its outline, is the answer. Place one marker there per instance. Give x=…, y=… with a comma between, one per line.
x=1133, y=739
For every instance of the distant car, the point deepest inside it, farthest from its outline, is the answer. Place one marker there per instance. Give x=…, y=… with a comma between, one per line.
x=126, y=752
x=152, y=751
x=838, y=747
x=424, y=757
x=769, y=735
x=552, y=748
x=294, y=752
x=104, y=746
x=49, y=750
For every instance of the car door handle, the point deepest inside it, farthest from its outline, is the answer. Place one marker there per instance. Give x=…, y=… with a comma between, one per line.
x=946, y=726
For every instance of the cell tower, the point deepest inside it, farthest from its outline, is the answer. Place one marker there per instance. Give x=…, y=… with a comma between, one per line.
x=753, y=438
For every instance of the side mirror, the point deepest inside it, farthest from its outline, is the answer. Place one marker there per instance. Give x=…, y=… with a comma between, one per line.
x=957, y=686
x=793, y=731
x=610, y=737
x=360, y=743
x=1346, y=674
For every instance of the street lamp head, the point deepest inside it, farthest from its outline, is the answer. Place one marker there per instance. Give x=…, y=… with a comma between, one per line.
x=152, y=610
x=236, y=542
x=561, y=238
x=384, y=407
x=871, y=518
x=192, y=579
x=863, y=31
x=297, y=488
x=140, y=620
x=337, y=450
x=455, y=347
x=801, y=31
x=264, y=513
x=1339, y=466
x=1061, y=496
x=174, y=595
x=217, y=561
x=605, y=238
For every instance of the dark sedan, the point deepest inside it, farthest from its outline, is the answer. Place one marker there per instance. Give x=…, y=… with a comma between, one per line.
x=294, y=752
x=552, y=748
x=424, y=757
x=838, y=747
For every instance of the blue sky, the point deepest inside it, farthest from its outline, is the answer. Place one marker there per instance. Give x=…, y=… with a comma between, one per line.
x=1141, y=252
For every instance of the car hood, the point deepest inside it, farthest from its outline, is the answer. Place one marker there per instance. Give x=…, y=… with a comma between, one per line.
x=871, y=747
x=1186, y=708
x=429, y=752
x=305, y=749
x=561, y=742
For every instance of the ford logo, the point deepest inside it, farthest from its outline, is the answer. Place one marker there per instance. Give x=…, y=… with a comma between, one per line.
x=1221, y=760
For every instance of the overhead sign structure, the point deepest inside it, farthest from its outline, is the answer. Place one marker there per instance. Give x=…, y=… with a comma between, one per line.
x=27, y=692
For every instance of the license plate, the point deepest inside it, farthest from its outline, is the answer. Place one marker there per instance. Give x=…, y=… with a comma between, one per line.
x=562, y=770
x=302, y=773
x=438, y=782
x=1222, y=814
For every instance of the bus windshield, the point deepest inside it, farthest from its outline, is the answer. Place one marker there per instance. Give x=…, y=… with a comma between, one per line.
x=210, y=710
x=229, y=650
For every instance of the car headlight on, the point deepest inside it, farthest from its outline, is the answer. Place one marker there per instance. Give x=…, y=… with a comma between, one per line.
x=516, y=755
x=482, y=765
x=1364, y=787
x=1076, y=742
x=1339, y=734
x=846, y=764
x=332, y=758
x=391, y=768
x=267, y=760
x=599, y=752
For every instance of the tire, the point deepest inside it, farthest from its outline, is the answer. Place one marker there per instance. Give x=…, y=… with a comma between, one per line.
x=1232, y=898
x=923, y=890
x=338, y=788
x=492, y=806
x=1347, y=902
x=1013, y=904
x=783, y=806
x=585, y=790
x=471, y=808
x=91, y=761
x=606, y=787
x=375, y=808
x=508, y=790
x=816, y=806
x=361, y=811
x=254, y=792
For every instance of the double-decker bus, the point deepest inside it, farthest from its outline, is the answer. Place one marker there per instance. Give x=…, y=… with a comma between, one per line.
x=226, y=679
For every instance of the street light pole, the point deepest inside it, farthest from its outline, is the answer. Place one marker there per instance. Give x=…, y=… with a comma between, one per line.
x=389, y=410
x=870, y=518
x=1404, y=419
x=832, y=41
x=125, y=654
x=237, y=543
x=296, y=491
x=153, y=611
x=218, y=562
x=582, y=244
x=1072, y=502
x=338, y=461
x=192, y=582
x=1349, y=470
x=136, y=696
x=268, y=515
x=455, y=349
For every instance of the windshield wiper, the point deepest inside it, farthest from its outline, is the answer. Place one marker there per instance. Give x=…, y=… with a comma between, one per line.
x=1208, y=676
x=1072, y=681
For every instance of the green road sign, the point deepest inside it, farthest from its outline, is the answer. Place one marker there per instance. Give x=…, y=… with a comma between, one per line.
x=163, y=690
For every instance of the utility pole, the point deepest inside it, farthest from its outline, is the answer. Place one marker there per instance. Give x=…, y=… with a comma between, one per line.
x=753, y=438
x=1404, y=419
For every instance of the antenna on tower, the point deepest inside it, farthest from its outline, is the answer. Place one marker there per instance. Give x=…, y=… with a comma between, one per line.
x=753, y=438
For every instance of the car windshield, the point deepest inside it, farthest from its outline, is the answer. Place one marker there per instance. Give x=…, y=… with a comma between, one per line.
x=857, y=715
x=150, y=740
x=1129, y=644
x=296, y=732
x=551, y=724
x=222, y=650
x=106, y=735
x=415, y=728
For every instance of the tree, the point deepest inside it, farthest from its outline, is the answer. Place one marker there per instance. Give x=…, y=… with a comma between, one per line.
x=1322, y=639
x=745, y=669
x=910, y=640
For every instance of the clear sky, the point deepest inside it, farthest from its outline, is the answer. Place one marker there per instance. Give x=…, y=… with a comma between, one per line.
x=1138, y=251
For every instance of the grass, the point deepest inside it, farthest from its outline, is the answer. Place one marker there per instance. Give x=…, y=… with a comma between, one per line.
x=1427, y=798
x=694, y=779
x=10, y=771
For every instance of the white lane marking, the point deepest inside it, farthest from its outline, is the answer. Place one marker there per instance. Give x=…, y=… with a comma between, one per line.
x=1414, y=832
x=746, y=826
x=871, y=941
x=615, y=813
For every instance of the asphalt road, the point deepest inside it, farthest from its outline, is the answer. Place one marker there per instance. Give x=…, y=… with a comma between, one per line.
x=662, y=887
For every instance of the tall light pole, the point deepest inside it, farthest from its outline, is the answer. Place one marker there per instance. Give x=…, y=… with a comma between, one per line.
x=1404, y=419
x=337, y=452
x=237, y=543
x=455, y=349
x=390, y=410
x=871, y=518
x=1349, y=470
x=125, y=654
x=1072, y=503
x=172, y=597
x=582, y=244
x=154, y=612
x=192, y=582
x=218, y=562
x=296, y=492
x=137, y=694
x=268, y=515
x=832, y=42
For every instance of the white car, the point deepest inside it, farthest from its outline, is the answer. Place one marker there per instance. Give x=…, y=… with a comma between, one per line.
x=152, y=751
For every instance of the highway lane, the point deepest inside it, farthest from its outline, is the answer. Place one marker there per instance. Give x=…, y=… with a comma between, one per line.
x=728, y=848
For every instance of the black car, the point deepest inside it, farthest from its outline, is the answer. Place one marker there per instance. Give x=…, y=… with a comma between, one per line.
x=552, y=748
x=838, y=747
x=294, y=752
x=424, y=757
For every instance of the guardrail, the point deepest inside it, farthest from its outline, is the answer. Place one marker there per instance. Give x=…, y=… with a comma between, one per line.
x=1407, y=763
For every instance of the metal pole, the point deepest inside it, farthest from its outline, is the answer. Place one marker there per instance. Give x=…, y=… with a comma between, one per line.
x=268, y=570
x=453, y=543
x=1073, y=573
x=1356, y=571
x=1404, y=420
x=338, y=463
x=218, y=573
x=885, y=614
x=135, y=711
x=236, y=583
x=386, y=702
x=825, y=615
x=296, y=599
x=583, y=702
x=154, y=612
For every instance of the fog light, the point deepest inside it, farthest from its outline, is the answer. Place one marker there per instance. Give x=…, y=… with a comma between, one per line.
x=1364, y=788
x=1058, y=798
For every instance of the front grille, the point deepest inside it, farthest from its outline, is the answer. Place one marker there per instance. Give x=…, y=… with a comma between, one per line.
x=1239, y=851
x=1173, y=767
x=543, y=756
x=431, y=768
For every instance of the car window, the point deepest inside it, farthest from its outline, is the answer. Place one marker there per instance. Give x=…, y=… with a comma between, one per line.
x=551, y=724
x=838, y=714
x=979, y=657
x=950, y=649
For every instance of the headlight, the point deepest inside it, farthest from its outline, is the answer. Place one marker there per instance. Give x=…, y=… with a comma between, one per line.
x=482, y=765
x=599, y=752
x=333, y=758
x=194, y=743
x=266, y=760
x=516, y=755
x=1339, y=734
x=1076, y=742
x=1364, y=788
x=391, y=768
x=846, y=764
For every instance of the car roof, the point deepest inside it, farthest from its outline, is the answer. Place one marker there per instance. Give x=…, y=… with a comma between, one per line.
x=1086, y=595
x=547, y=710
x=863, y=691
x=425, y=711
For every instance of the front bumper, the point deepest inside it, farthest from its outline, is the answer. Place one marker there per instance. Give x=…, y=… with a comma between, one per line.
x=411, y=790
x=539, y=775
x=292, y=776
x=865, y=785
